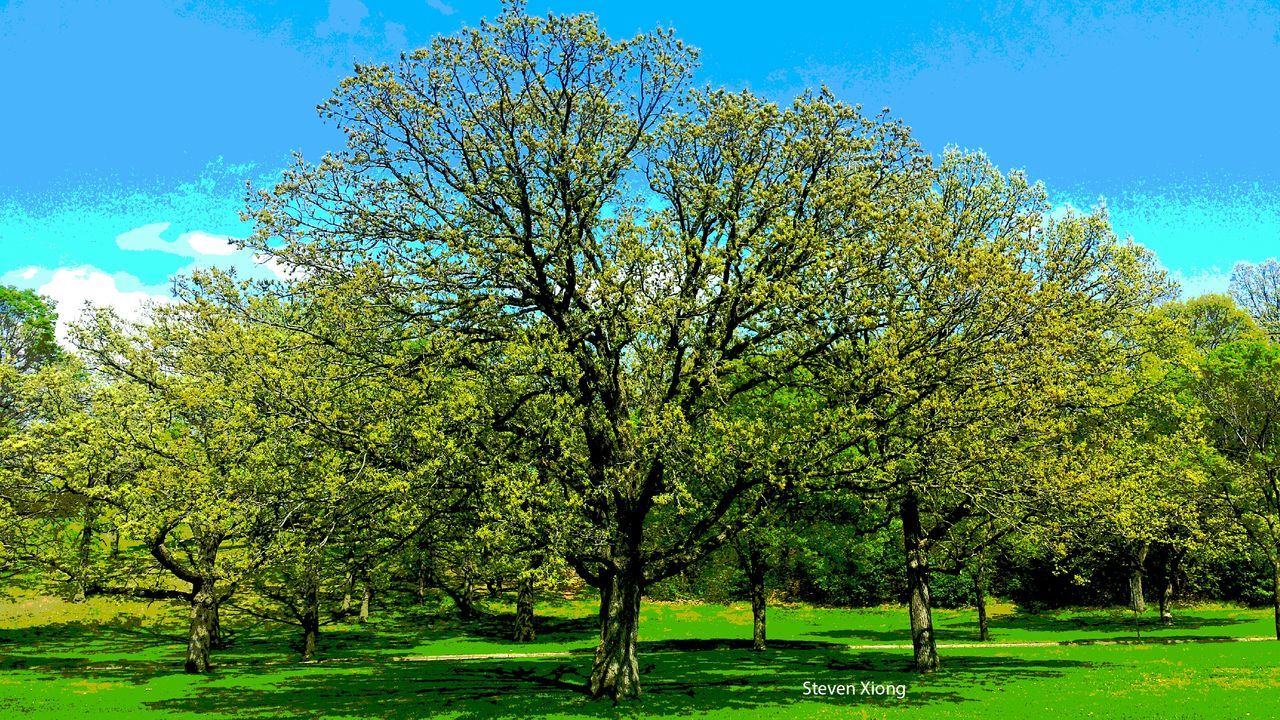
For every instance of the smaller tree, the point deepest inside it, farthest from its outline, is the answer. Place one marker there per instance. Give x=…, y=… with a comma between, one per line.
x=1239, y=385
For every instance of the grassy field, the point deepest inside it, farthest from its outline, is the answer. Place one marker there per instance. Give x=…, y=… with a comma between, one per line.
x=112, y=659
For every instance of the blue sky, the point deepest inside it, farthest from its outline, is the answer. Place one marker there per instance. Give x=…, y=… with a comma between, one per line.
x=132, y=127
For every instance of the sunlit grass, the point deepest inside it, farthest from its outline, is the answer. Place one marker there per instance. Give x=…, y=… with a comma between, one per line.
x=106, y=658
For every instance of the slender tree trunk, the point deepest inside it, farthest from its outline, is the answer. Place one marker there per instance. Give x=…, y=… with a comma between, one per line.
x=422, y=580
x=468, y=608
x=1275, y=593
x=980, y=599
x=616, y=672
x=525, y=631
x=1172, y=562
x=346, y=594
x=922, y=639
x=1136, y=599
x=1166, y=595
x=204, y=613
x=83, y=552
x=364, y=603
x=759, y=601
x=216, y=640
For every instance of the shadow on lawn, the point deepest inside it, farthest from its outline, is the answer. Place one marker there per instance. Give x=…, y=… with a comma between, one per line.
x=67, y=644
x=1116, y=621
x=499, y=627
x=678, y=679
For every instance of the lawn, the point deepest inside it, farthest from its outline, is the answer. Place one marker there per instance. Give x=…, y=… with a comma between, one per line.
x=112, y=659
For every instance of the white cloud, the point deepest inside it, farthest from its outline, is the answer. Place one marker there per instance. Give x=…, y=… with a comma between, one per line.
x=276, y=268
x=193, y=244
x=206, y=244
x=75, y=288
x=148, y=237
x=29, y=273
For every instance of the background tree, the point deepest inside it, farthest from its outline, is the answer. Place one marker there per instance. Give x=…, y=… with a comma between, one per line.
x=1257, y=289
x=34, y=380
x=996, y=322
x=1239, y=384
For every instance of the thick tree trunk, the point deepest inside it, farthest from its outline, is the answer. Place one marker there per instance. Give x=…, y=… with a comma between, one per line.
x=616, y=672
x=525, y=631
x=364, y=604
x=464, y=600
x=980, y=599
x=922, y=639
x=759, y=602
x=204, y=623
x=1136, y=599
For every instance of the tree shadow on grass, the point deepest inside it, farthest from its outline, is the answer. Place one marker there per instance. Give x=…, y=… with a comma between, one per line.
x=83, y=642
x=678, y=679
x=1117, y=621
x=865, y=635
x=500, y=626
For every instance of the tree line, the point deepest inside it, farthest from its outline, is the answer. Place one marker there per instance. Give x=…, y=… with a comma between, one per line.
x=557, y=315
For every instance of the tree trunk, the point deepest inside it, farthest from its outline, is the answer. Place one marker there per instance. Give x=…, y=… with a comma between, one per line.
x=346, y=594
x=759, y=602
x=922, y=639
x=980, y=599
x=1166, y=595
x=422, y=581
x=204, y=614
x=1136, y=599
x=525, y=631
x=83, y=552
x=616, y=672
x=1275, y=594
x=310, y=620
x=1172, y=561
x=464, y=600
x=216, y=641
x=364, y=604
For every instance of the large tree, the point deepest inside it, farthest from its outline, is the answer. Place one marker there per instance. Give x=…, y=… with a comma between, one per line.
x=642, y=256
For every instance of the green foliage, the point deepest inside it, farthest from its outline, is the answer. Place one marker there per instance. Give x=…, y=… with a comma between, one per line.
x=27, y=323
x=1257, y=289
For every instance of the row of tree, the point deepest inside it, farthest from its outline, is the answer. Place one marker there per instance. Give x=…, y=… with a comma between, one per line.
x=555, y=313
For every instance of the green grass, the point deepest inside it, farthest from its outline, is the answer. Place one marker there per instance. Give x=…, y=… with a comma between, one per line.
x=109, y=659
